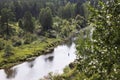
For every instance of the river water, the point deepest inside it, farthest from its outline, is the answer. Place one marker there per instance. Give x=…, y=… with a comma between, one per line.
x=41, y=66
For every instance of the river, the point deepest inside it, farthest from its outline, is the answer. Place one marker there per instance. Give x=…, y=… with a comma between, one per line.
x=42, y=65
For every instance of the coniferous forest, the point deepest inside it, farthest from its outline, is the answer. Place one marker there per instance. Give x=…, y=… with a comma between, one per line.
x=80, y=38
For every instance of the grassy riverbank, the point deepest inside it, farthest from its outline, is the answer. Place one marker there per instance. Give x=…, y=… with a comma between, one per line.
x=22, y=53
x=19, y=48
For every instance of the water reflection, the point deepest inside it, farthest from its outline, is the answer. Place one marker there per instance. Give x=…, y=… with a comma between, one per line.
x=10, y=73
x=31, y=64
x=34, y=70
x=50, y=58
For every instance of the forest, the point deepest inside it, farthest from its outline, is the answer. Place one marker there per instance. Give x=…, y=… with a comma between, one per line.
x=33, y=28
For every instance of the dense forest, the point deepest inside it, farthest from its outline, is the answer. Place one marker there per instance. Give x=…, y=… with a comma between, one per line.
x=22, y=22
x=33, y=27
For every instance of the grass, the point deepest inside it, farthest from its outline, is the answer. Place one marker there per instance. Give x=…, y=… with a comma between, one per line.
x=67, y=75
x=23, y=52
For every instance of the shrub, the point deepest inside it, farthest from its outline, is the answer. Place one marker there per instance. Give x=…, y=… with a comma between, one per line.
x=17, y=43
x=8, y=51
x=2, y=44
x=28, y=38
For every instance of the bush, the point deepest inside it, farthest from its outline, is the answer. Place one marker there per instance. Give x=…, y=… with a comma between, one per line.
x=80, y=21
x=99, y=57
x=8, y=51
x=2, y=44
x=14, y=38
x=17, y=43
x=28, y=38
x=45, y=18
x=51, y=34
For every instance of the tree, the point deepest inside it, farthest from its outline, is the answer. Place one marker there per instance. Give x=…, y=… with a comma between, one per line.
x=61, y=12
x=45, y=18
x=20, y=23
x=35, y=10
x=52, y=7
x=68, y=11
x=18, y=10
x=28, y=24
x=82, y=10
x=6, y=16
x=80, y=21
x=8, y=51
x=99, y=58
x=79, y=10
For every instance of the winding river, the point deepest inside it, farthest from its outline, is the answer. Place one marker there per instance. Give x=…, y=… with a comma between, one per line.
x=41, y=66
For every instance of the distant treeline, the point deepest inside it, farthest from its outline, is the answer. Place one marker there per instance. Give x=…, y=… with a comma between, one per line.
x=19, y=7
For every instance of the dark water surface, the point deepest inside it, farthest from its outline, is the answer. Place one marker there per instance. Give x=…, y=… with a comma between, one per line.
x=54, y=62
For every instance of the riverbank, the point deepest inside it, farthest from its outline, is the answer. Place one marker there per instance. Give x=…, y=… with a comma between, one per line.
x=69, y=73
x=27, y=52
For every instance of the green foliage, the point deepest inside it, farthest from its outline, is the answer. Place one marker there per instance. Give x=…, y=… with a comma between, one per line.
x=17, y=43
x=23, y=52
x=45, y=18
x=79, y=9
x=82, y=9
x=80, y=21
x=99, y=57
x=86, y=10
x=68, y=11
x=2, y=44
x=20, y=23
x=52, y=7
x=29, y=38
x=28, y=24
x=67, y=28
x=57, y=23
x=8, y=51
x=6, y=17
x=64, y=28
